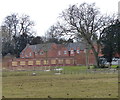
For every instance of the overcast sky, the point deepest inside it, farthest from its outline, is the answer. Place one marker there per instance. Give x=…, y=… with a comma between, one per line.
x=45, y=12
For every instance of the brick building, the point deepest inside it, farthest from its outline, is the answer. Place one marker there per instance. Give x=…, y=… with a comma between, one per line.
x=52, y=54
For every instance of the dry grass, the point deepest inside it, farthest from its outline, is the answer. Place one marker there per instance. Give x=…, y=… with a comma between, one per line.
x=61, y=86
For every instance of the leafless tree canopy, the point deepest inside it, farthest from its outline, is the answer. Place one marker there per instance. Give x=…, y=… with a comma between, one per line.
x=84, y=22
x=14, y=25
x=26, y=25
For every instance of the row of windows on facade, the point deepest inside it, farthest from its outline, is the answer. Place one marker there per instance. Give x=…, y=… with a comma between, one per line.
x=64, y=52
x=59, y=52
x=67, y=61
x=71, y=52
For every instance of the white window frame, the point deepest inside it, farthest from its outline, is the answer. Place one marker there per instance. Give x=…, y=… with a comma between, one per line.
x=41, y=53
x=72, y=52
x=65, y=52
x=36, y=53
x=78, y=51
x=30, y=54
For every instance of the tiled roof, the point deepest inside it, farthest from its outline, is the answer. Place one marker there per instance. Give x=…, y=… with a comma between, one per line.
x=46, y=47
x=38, y=47
x=76, y=45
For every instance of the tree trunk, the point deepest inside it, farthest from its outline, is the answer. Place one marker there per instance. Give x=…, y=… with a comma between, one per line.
x=96, y=56
x=96, y=59
x=110, y=65
x=87, y=58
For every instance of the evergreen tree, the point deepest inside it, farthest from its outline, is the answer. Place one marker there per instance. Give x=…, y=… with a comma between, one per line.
x=111, y=41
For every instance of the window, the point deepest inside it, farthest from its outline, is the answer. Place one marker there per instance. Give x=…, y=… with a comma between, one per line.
x=65, y=52
x=41, y=53
x=59, y=53
x=78, y=51
x=22, y=63
x=30, y=62
x=38, y=62
x=30, y=54
x=53, y=61
x=35, y=53
x=45, y=62
x=60, y=61
x=72, y=51
x=67, y=61
x=14, y=63
x=84, y=50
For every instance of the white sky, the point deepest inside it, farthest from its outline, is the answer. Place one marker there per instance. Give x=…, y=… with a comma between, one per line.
x=45, y=12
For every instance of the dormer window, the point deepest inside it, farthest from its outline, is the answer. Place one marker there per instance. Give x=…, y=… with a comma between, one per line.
x=72, y=51
x=41, y=53
x=30, y=54
x=78, y=51
x=65, y=52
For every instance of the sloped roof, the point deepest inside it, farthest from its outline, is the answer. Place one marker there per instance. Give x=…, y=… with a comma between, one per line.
x=76, y=45
x=47, y=46
x=38, y=47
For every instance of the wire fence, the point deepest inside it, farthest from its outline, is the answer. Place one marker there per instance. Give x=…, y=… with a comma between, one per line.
x=88, y=71
x=58, y=72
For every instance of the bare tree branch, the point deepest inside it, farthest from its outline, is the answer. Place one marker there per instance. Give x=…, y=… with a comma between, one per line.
x=84, y=21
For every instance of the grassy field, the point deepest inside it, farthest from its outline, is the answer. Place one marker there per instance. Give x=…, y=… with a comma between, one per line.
x=22, y=84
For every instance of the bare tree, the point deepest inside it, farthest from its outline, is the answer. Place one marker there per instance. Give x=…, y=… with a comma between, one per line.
x=13, y=27
x=85, y=23
x=16, y=25
x=51, y=33
x=26, y=25
x=10, y=25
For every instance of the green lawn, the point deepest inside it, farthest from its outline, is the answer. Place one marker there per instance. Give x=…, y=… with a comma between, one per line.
x=74, y=68
x=114, y=66
x=22, y=84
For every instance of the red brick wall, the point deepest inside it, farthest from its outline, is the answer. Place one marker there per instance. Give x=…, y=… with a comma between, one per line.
x=80, y=58
x=91, y=59
x=26, y=53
